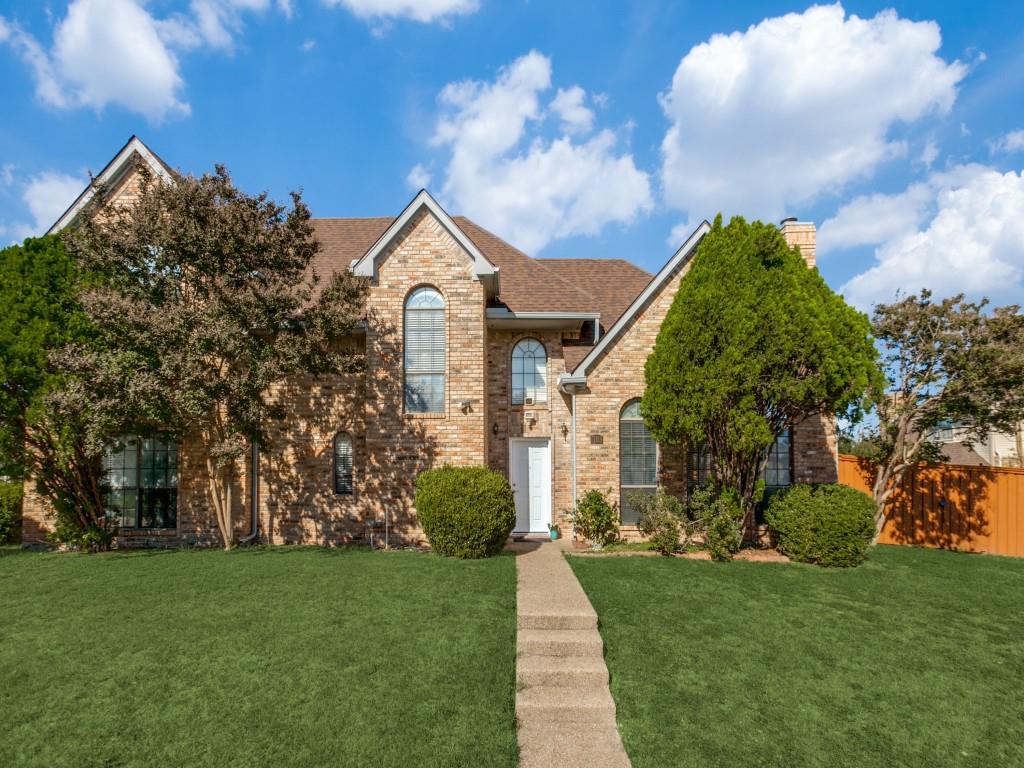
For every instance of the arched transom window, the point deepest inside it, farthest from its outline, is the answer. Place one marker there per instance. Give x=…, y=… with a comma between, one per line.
x=638, y=460
x=343, y=464
x=529, y=373
x=424, y=351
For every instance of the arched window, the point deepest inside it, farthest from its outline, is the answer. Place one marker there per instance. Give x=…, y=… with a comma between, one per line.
x=424, y=351
x=638, y=460
x=529, y=373
x=343, y=464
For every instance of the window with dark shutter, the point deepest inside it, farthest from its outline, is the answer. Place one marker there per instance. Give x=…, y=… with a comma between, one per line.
x=424, y=351
x=343, y=464
x=638, y=460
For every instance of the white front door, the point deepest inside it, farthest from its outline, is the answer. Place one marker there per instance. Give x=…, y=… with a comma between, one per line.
x=531, y=483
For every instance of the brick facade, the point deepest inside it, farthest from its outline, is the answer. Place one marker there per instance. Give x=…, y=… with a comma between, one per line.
x=296, y=498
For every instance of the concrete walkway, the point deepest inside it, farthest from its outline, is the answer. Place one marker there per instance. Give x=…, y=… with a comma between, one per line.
x=564, y=709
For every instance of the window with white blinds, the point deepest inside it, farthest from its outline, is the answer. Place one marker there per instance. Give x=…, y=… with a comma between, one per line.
x=424, y=351
x=529, y=373
x=638, y=460
x=343, y=464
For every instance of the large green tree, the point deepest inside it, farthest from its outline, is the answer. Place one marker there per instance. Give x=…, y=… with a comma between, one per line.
x=946, y=362
x=754, y=342
x=40, y=430
x=206, y=299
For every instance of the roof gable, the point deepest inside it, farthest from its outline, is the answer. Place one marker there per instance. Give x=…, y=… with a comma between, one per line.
x=368, y=263
x=684, y=253
x=113, y=172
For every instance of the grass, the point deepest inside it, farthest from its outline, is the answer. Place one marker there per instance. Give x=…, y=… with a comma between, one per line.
x=277, y=657
x=915, y=658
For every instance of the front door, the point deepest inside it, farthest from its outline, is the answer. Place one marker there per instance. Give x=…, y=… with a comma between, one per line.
x=531, y=483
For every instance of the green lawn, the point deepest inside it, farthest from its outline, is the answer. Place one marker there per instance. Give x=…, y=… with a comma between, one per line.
x=277, y=657
x=914, y=659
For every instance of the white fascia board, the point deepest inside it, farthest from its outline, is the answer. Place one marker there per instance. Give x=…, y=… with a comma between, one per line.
x=366, y=266
x=684, y=253
x=114, y=170
x=500, y=313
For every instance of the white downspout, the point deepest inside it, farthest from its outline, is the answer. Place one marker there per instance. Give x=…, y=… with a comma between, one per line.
x=573, y=399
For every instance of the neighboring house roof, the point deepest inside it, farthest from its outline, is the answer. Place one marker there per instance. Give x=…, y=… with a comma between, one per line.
x=113, y=172
x=958, y=453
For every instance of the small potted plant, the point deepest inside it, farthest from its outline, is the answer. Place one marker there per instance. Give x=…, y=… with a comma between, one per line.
x=554, y=530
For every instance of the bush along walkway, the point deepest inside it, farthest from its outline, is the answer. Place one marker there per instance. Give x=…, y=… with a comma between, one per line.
x=564, y=709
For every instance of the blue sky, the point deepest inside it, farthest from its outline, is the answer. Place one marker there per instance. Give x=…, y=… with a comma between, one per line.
x=591, y=129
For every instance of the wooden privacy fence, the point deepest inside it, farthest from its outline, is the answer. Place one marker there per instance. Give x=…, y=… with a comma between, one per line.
x=973, y=509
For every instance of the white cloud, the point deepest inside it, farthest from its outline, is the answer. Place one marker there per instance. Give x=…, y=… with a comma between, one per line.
x=7, y=174
x=532, y=190
x=970, y=237
x=49, y=194
x=307, y=46
x=419, y=177
x=418, y=10
x=569, y=105
x=873, y=219
x=1007, y=143
x=114, y=52
x=46, y=195
x=929, y=153
x=797, y=106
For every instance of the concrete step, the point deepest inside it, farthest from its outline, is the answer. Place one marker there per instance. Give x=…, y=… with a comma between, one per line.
x=543, y=745
x=548, y=620
x=564, y=671
x=558, y=704
x=559, y=642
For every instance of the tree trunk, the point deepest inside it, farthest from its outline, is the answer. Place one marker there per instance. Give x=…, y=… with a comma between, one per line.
x=1020, y=444
x=220, y=493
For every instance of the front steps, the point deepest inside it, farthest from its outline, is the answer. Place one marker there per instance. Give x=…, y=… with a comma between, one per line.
x=564, y=709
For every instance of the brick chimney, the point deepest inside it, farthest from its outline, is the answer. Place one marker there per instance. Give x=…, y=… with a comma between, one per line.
x=802, y=234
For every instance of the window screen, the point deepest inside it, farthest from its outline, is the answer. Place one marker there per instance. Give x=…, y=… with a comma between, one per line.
x=529, y=372
x=343, y=464
x=638, y=460
x=424, y=352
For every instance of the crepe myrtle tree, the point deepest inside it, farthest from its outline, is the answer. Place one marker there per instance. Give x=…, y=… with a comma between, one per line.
x=207, y=298
x=945, y=362
x=754, y=342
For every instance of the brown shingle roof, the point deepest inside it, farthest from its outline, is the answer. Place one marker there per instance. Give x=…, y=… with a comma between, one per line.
x=613, y=283
x=526, y=284
x=607, y=286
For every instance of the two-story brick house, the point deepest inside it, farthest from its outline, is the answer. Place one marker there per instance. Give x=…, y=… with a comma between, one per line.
x=477, y=354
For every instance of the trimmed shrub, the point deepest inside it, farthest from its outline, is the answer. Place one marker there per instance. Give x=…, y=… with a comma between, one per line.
x=10, y=512
x=595, y=519
x=466, y=512
x=723, y=522
x=831, y=525
x=662, y=519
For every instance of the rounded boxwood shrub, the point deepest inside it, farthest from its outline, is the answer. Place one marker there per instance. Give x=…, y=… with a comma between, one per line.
x=465, y=512
x=830, y=525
